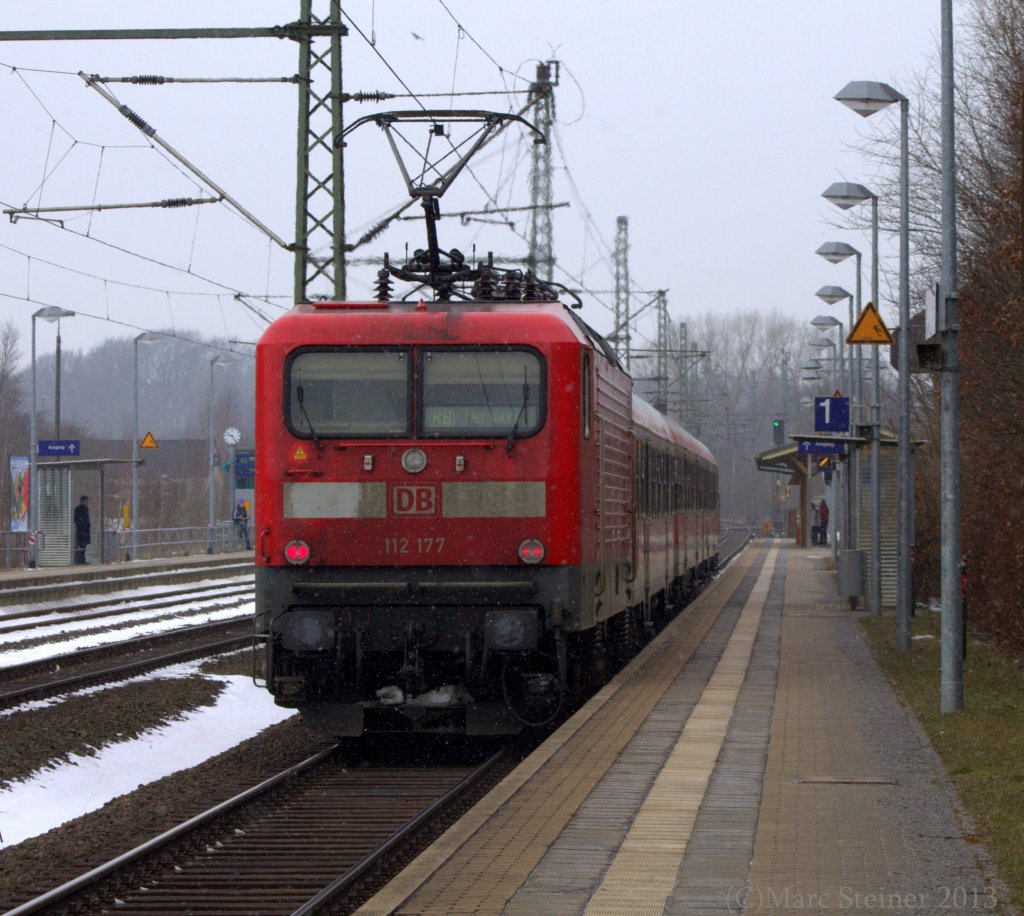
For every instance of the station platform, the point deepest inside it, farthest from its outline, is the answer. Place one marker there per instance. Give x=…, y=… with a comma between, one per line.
x=752, y=759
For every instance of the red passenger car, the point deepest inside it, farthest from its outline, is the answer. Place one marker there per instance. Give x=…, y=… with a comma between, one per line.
x=463, y=515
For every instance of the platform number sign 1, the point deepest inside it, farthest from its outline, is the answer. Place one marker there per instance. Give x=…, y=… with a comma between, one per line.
x=831, y=415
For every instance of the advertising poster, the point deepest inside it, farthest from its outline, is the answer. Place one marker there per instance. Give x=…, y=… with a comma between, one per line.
x=20, y=466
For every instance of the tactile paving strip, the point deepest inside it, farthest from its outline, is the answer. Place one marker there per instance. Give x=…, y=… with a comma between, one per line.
x=565, y=879
x=643, y=874
x=509, y=835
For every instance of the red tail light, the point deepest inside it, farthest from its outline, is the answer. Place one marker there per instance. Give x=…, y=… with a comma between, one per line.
x=531, y=551
x=297, y=552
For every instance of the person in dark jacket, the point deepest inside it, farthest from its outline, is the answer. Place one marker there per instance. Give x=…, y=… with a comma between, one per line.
x=83, y=529
x=241, y=519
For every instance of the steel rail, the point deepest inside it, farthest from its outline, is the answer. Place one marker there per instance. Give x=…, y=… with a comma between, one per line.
x=90, y=878
x=98, y=653
x=345, y=881
x=114, y=608
x=92, y=678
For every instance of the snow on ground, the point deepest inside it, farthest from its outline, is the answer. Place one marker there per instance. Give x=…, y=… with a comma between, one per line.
x=56, y=646
x=115, y=605
x=120, y=596
x=55, y=795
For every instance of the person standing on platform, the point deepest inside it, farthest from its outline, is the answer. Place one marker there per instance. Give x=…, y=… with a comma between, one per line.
x=83, y=530
x=823, y=522
x=241, y=519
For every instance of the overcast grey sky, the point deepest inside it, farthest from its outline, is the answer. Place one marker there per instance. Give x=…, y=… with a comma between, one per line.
x=711, y=125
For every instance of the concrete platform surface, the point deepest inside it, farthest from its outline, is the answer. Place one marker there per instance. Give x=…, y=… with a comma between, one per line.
x=752, y=759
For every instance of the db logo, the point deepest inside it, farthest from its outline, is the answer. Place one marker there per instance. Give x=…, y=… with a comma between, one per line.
x=418, y=500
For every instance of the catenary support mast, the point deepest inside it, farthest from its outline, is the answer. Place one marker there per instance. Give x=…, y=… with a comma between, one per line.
x=541, y=259
x=319, y=245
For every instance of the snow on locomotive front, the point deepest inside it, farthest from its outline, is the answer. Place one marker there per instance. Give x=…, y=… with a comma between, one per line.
x=418, y=512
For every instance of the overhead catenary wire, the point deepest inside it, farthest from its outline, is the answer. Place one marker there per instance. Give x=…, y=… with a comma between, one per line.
x=169, y=203
x=124, y=324
x=150, y=133
x=502, y=70
x=225, y=288
x=156, y=80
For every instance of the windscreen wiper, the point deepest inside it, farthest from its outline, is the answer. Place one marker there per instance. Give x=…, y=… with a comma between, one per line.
x=522, y=410
x=301, y=395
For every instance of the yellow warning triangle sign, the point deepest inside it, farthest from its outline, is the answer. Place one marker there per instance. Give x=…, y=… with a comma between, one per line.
x=148, y=441
x=869, y=328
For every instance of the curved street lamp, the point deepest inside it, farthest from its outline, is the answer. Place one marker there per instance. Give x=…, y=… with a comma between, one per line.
x=223, y=359
x=49, y=313
x=845, y=195
x=822, y=322
x=866, y=97
x=144, y=338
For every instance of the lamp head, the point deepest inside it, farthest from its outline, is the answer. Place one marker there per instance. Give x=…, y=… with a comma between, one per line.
x=836, y=251
x=53, y=313
x=866, y=97
x=832, y=294
x=846, y=194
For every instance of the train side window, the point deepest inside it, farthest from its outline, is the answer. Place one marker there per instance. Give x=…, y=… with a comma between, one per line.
x=585, y=388
x=343, y=393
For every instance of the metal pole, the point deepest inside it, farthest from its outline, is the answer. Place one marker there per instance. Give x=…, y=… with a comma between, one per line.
x=850, y=527
x=302, y=156
x=33, y=506
x=875, y=577
x=337, y=158
x=905, y=525
x=56, y=388
x=857, y=456
x=135, y=457
x=952, y=691
x=209, y=529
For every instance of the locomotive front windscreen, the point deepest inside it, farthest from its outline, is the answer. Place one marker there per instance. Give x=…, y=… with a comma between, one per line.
x=481, y=392
x=458, y=392
x=350, y=393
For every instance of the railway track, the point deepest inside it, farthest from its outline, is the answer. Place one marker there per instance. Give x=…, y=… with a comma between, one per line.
x=731, y=542
x=34, y=587
x=88, y=667
x=299, y=842
x=95, y=609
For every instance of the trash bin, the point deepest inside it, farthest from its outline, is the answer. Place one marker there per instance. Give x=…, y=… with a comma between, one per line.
x=851, y=573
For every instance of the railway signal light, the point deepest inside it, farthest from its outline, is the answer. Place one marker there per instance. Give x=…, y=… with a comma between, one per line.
x=778, y=432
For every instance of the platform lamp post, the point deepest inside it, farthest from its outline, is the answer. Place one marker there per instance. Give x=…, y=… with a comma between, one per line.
x=221, y=360
x=836, y=252
x=144, y=338
x=841, y=505
x=866, y=97
x=48, y=313
x=823, y=323
x=832, y=295
x=844, y=195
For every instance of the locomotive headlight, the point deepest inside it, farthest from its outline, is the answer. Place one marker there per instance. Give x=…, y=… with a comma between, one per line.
x=297, y=552
x=511, y=630
x=414, y=460
x=531, y=551
x=308, y=631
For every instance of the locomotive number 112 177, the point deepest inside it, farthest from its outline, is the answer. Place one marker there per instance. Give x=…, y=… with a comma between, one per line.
x=413, y=545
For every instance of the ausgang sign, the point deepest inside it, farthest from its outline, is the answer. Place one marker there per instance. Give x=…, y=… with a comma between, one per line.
x=821, y=447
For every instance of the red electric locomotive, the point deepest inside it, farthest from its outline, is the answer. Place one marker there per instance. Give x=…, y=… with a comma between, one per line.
x=463, y=514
